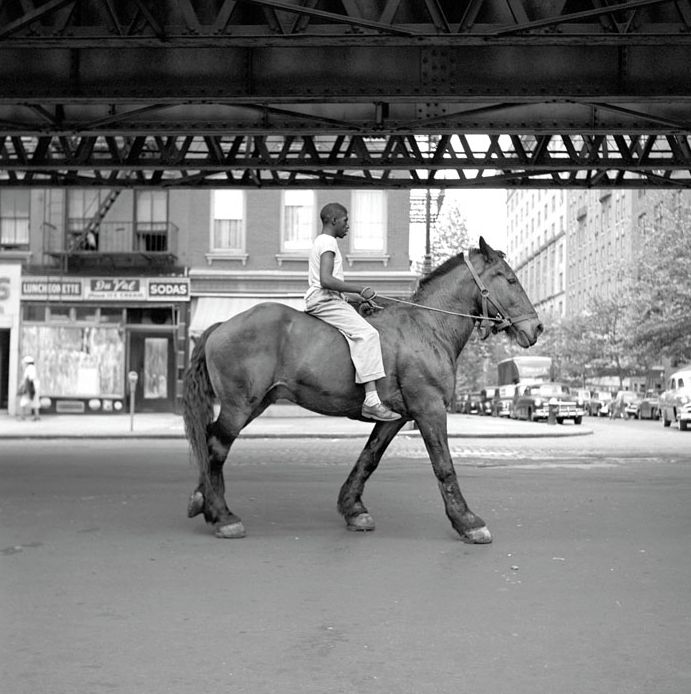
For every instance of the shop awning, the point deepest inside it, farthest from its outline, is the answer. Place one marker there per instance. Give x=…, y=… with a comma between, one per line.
x=207, y=310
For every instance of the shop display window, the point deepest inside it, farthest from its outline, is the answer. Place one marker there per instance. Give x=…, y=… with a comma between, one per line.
x=77, y=361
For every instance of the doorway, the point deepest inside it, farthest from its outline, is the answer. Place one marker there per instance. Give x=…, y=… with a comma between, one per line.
x=153, y=358
x=4, y=367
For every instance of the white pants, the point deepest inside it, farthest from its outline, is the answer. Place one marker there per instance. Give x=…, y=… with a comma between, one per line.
x=363, y=339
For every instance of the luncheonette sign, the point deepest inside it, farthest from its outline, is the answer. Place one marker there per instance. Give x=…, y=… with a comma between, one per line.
x=105, y=289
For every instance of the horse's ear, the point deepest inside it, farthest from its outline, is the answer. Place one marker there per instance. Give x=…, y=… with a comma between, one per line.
x=486, y=250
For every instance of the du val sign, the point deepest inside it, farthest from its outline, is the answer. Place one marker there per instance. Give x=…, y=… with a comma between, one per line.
x=115, y=289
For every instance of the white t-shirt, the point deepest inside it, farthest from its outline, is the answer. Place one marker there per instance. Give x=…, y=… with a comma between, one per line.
x=321, y=244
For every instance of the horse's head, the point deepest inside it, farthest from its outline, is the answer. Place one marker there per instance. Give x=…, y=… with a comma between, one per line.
x=503, y=297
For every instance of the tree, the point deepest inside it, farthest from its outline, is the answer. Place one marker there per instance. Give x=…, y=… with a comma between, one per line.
x=662, y=284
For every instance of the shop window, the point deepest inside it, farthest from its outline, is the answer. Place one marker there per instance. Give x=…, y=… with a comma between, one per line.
x=156, y=368
x=368, y=221
x=110, y=315
x=88, y=314
x=77, y=361
x=59, y=314
x=35, y=313
x=149, y=316
x=299, y=221
x=14, y=219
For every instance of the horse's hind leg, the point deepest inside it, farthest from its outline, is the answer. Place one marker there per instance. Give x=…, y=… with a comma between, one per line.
x=209, y=497
x=350, y=497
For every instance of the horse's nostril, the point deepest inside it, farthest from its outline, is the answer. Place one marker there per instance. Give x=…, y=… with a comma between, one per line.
x=540, y=329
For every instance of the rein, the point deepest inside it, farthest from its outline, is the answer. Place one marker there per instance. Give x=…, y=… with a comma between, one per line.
x=501, y=321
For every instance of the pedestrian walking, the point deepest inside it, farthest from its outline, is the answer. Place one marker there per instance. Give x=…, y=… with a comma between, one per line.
x=29, y=390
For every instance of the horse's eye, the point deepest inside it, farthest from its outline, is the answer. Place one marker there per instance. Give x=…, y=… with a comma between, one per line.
x=512, y=279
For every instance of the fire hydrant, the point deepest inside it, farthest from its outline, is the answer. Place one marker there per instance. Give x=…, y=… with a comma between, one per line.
x=552, y=410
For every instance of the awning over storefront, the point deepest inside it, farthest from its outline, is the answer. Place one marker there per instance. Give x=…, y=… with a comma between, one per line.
x=207, y=310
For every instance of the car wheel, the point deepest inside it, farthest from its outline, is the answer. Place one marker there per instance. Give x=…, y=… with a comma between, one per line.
x=665, y=422
x=577, y=420
x=682, y=425
x=560, y=420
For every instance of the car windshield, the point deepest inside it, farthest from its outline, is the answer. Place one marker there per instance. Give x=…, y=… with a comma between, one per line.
x=603, y=395
x=548, y=389
x=629, y=397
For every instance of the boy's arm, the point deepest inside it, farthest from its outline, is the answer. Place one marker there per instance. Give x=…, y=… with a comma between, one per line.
x=328, y=281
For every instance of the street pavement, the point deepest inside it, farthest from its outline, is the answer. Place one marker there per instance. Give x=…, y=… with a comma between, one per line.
x=109, y=587
x=279, y=421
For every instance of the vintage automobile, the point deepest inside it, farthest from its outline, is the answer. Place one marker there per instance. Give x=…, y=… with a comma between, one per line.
x=675, y=402
x=600, y=401
x=507, y=394
x=624, y=405
x=490, y=401
x=535, y=401
x=648, y=406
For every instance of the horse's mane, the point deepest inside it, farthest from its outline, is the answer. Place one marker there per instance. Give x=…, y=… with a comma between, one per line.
x=450, y=264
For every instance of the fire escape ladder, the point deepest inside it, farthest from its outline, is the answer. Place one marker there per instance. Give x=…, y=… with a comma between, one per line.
x=88, y=240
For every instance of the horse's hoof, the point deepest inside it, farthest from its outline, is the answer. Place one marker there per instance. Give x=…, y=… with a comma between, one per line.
x=196, y=504
x=230, y=531
x=361, y=522
x=477, y=536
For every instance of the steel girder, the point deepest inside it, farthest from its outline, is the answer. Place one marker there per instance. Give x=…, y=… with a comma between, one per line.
x=380, y=93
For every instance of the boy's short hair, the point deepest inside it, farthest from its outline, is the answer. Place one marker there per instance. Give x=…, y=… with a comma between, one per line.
x=331, y=209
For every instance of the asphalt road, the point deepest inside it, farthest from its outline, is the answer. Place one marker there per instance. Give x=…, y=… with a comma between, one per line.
x=108, y=587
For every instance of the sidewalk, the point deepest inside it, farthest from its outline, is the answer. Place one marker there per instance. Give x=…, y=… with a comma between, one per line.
x=279, y=421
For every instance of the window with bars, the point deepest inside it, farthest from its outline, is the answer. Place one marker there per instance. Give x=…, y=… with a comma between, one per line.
x=368, y=221
x=14, y=218
x=299, y=220
x=228, y=232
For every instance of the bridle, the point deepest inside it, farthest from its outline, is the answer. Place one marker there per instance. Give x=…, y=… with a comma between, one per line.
x=502, y=321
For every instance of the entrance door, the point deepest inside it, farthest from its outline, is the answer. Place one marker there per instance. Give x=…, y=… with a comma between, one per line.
x=153, y=358
x=4, y=367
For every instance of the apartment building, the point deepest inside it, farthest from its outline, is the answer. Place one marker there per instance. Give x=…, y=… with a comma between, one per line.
x=568, y=245
x=107, y=289
x=536, y=242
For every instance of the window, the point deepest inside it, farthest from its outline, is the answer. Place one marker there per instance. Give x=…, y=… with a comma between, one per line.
x=228, y=232
x=299, y=220
x=152, y=220
x=14, y=218
x=368, y=221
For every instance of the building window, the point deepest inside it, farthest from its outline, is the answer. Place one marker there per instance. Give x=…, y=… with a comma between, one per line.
x=299, y=220
x=152, y=220
x=228, y=232
x=368, y=221
x=14, y=219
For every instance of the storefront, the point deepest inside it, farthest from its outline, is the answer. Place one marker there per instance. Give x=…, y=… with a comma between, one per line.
x=10, y=274
x=86, y=334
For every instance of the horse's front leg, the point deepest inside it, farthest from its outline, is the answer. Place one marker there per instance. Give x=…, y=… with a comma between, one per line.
x=471, y=528
x=350, y=497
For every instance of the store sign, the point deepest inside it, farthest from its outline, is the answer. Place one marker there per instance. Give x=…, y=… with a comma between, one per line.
x=106, y=289
x=115, y=289
x=51, y=288
x=9, y=290
x=169, y=289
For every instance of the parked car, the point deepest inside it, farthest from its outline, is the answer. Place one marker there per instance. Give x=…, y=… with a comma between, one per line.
x=648, y=406
x=507, y=395
x=474, y=404
x=675, y=402
x=534, y=403
x=600, y=401
x=490, y=401
x=624, y=405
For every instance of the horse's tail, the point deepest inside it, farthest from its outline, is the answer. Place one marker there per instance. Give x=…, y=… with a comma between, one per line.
x=198, y=402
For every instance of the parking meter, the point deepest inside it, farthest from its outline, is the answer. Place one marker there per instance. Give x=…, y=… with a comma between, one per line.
x=132, y=378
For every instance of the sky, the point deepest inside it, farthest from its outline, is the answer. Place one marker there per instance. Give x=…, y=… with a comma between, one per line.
x=485, y=215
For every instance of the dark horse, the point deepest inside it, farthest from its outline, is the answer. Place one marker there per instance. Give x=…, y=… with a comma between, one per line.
x=272, y=351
